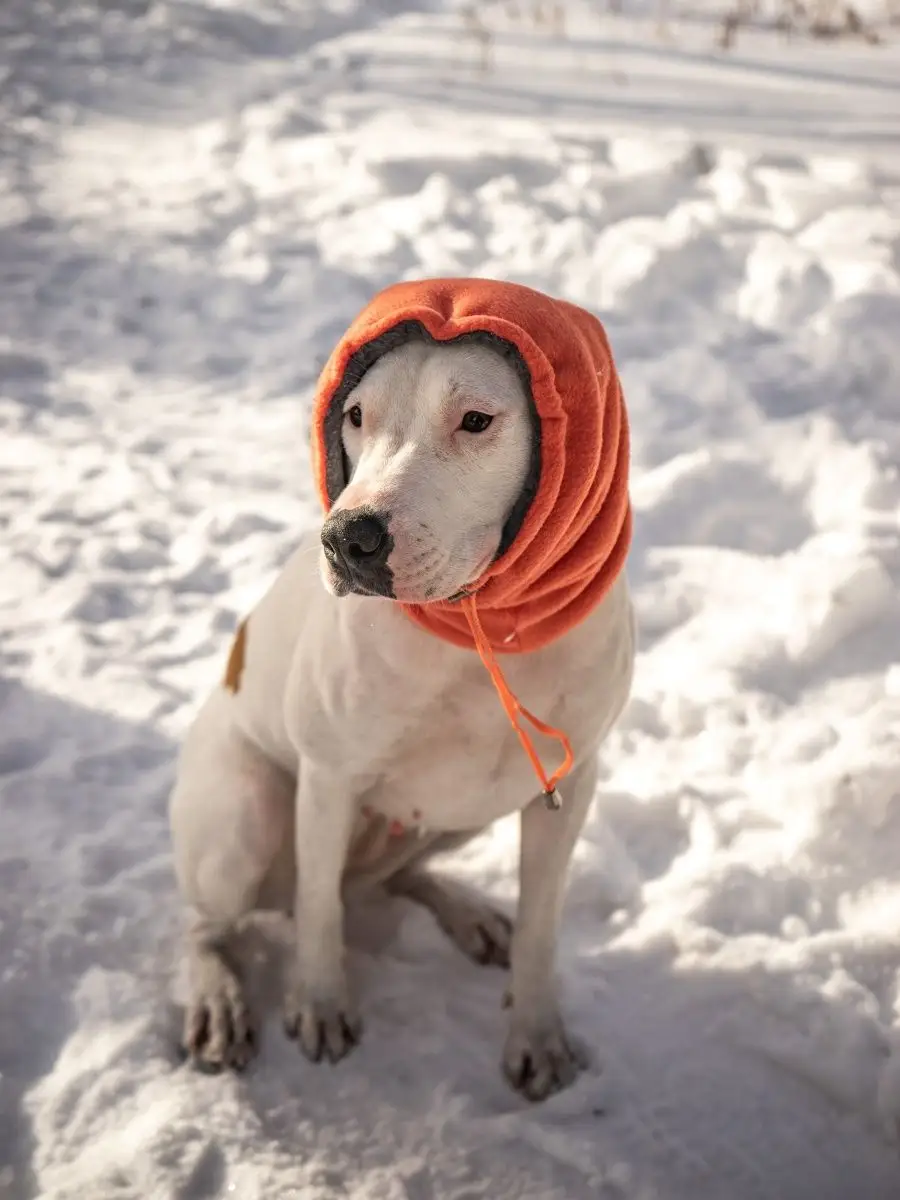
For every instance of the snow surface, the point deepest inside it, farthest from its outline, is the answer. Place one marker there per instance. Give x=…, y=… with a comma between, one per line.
x=196, y=198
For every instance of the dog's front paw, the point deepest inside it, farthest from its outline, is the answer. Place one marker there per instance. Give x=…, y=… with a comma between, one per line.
x=218, y=1030
x=538, y=1060
x=323, y=1027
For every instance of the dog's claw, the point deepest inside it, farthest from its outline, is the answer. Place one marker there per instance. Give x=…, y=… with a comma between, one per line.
x=491, y=944
x=538, y=1063
x=323, y=1030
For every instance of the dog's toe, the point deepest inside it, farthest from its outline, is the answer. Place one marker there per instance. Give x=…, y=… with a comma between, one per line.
x=323, y=1029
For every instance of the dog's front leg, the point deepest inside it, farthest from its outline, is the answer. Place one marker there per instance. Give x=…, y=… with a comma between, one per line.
x=537, y=1059
x=319, y=1012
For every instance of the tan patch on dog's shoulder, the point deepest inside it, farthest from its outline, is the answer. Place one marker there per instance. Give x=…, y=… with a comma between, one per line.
x=235, y=668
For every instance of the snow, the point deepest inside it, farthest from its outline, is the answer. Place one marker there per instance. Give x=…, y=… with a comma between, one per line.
x=195, y=198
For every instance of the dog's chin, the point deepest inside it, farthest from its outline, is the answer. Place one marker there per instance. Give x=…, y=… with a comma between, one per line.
x=444, y=589
x=339, y=583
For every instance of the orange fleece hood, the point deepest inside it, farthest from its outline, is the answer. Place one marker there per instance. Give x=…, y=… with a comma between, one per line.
x=567, y=537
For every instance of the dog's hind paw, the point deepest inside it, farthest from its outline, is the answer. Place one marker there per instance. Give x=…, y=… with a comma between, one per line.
x=483, y=934
x=480, y=931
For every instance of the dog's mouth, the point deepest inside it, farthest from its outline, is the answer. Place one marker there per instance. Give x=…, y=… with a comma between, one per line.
x=470, y=588
x=344, y=579
x=372, y=587
x=362, y=565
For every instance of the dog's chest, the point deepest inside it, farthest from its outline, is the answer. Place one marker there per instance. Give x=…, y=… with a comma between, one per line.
x=460, y=765
x=416, y=728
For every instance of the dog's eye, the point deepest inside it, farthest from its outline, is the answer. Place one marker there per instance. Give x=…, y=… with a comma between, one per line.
x=475, y=422
x=354, y=416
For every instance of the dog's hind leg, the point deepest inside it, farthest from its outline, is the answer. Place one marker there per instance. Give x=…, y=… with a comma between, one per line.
x=230, y=814
x=479, y=930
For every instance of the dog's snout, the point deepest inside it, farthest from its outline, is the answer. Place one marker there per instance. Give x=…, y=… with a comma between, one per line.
x=357, y=544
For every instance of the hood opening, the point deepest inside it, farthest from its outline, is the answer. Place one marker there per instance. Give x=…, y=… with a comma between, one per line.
x=337, y=466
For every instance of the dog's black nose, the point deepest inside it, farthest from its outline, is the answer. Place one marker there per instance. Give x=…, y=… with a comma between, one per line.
x=357, y=540
x=365, y=536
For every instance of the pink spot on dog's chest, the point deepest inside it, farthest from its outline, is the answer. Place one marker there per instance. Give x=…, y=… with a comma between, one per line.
x=395, y=827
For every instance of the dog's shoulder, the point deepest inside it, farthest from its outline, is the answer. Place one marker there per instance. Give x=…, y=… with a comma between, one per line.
x=266, y=643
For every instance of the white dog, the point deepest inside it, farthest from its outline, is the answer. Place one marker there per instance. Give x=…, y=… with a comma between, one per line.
x=348, y=743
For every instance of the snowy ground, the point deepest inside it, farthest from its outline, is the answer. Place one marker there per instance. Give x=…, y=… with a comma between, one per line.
x=196, y=197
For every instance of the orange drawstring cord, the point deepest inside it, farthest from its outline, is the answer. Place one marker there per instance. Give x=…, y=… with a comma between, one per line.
x=515, y=710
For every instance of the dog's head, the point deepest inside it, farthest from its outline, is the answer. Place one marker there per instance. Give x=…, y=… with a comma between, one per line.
x=440, y=455
x=471, y=435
